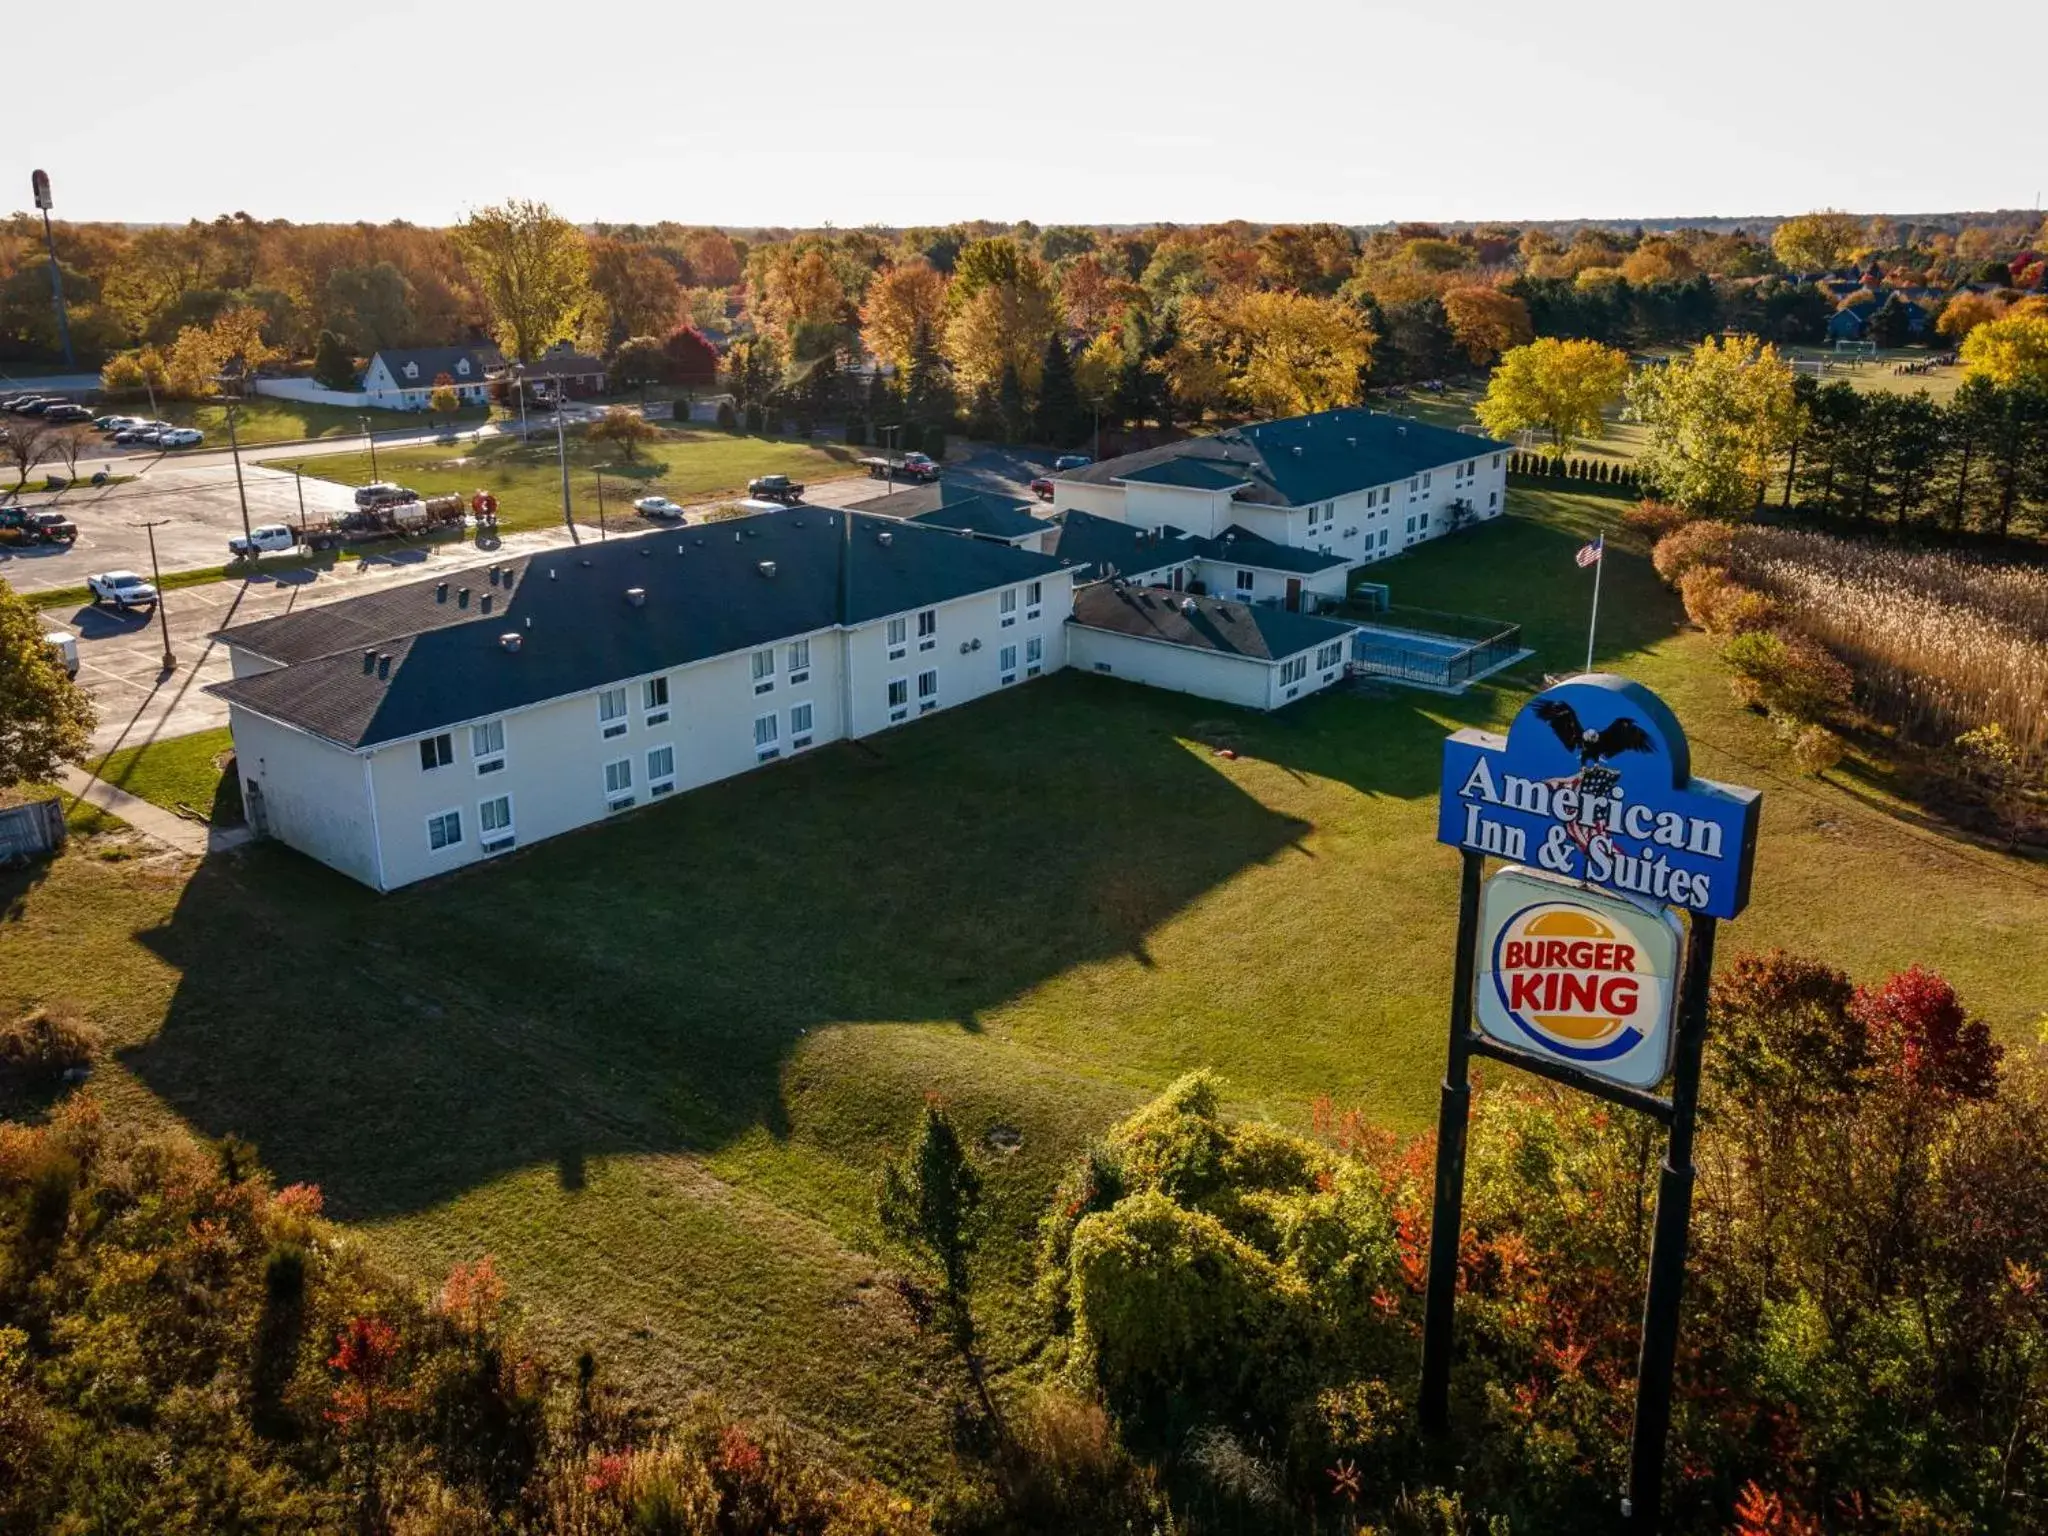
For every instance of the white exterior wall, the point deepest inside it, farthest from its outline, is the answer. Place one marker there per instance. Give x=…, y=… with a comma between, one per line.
x=1241, y=680
x=315, y=795
x=393, y=394
x=1219, y=579
x=1078, y=496
x=248, y=663
x=962, y=676
x=1313, y=679
x=1204, y=513
x=307, y=392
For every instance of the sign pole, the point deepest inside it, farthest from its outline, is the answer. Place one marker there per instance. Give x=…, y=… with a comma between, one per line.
x=1454, y=1109
x=1593, y=622
x=1668, y=1245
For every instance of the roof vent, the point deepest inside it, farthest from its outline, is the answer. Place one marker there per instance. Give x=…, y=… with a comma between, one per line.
x=885, y=537
x=1297, y=450
x=584, y=563
x=485, y=605
x=1187, y=606
x=509, y=642
x=736, y=535
x=645, y=552
x=440, y=591
x=679, y=549
x=369, y=662
x=637, y=596
x=505, y=580
x=551, y=573
x=766, y=567
x=1402, y=429
x=384, y=665
x=494, y=575
x=1352, y=441
x=462, y=597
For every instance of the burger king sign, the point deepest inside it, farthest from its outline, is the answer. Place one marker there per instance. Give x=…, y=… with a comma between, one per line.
x=1583, y=978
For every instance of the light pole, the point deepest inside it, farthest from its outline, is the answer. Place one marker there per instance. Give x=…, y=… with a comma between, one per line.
x=299, y=484
x=235, y=449
x=562, y=455
x=603, y=533
x=371, y=433
x=519, y=383
x=40, y=182
x=157, y=581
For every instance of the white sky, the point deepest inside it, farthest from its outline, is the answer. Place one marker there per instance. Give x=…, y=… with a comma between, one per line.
x=926, y=111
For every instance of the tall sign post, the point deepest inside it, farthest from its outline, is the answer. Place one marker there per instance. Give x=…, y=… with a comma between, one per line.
x=39, y=183
x=1574, y=964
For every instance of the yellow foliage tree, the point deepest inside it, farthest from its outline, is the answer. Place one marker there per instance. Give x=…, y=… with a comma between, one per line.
x=901, y=299
x=531, y=268
x=1003, y=313
x=2012, y=350
x=1287, y=353
x=1658, y=261
x=1486, y=322
x=1817, y=242
x=800, y=300
x=1554, y=386
x=1719, y=417
x=192, y=368
x=1097, y=370
x=1965, y=312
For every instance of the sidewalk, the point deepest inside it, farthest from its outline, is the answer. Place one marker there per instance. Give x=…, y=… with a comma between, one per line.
x=153, y=821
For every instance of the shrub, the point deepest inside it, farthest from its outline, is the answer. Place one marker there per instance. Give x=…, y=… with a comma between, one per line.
x=727, y=420
x=1742, y=610
x=1702, y=589
x=37, y=1049
x=754, y=420
x=1788, y=673
x=1654, y=519
x=1816, y=749
x=1696, y=543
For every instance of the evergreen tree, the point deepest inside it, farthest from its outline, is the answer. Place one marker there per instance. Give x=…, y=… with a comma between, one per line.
x=1892, y=325
x=1061, y=418
x=333, y=365
x=1010, y=405
x=927, y=394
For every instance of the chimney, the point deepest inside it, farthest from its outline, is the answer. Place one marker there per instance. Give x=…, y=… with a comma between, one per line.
x=484, y=606
x=462, y=597
x=637, y=596
x=384, y=665
x=766, y=567
x=509, y=642
x=440, y=591
x=369, y=662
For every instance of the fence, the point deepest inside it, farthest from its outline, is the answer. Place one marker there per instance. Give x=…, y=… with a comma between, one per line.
x=1438, y=650
x=29, y=831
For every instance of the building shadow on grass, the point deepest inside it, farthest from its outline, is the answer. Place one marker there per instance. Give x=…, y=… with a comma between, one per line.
x=638, y=986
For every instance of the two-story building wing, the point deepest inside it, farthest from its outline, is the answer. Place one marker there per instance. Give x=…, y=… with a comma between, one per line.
x=1355, y=484
x=404, y=733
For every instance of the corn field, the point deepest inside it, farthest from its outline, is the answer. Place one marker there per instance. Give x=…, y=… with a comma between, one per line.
x=1940, y=644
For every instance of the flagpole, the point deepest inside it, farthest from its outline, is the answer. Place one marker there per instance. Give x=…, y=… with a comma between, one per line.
x=1593, y=623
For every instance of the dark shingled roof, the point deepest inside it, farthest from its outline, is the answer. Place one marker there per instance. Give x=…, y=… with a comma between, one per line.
x=1214, y=624
x=984, y=516
x=1240, y=544
x=1103, y=546
x=904, y=503
x=1299, y=460
x=435, y=361
x=707, y=595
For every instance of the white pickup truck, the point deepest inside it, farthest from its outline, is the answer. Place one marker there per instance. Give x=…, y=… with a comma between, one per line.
x=124, y=589
x=268, y=539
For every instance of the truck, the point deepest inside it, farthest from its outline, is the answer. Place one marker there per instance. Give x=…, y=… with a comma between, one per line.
x=37, y=526
x=777, y=488
x=909, y=466
x=398, y=520
x=271, y=538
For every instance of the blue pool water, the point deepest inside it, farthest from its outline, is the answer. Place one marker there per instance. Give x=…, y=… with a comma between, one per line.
x=1374, y=643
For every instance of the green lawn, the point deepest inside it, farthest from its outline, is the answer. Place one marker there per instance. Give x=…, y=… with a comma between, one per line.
x=653, y=1066
x=265, y=419
x=177, y=773
x=685, y=466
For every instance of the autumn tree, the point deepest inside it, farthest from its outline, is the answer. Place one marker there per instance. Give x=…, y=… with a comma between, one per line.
x=1817, y=242
x=714, y=260
x=532, y=270
x=635, y=290
x=442, y=400
x=639, y=362
x=1312, y=258
x=1658, y=261
x=1288, y=353
x=1092, y=296
x=1965, y=312
x=46, y=719
x=625, y=427
x=1554, y=386
x=1718, y=418
x=1486, y=321
x=1002, y=311
x=2009, y=351
x=371, y=307
x=800, y=300
x=900, y=300
x=690, y=357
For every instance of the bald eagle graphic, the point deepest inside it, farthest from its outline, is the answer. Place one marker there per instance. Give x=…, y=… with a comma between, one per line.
x=1592, y=747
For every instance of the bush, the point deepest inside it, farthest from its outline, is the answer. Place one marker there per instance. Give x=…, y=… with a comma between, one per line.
x=1816, y=749
x=37, y=1049
x=754, y=421
x=727, y=420
x=1788, y=674
x=1702, y=590
x=1722, y=606
x=1693, y=544
x=1655, y=519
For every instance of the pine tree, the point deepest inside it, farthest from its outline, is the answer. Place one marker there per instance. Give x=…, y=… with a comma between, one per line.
x=1060, y=416
x=333, y=365
x=927, y=395
x=1010, y=406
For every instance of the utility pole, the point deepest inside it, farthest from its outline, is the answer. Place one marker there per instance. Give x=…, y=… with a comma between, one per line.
x=241, y=493
x=371, y=433
x=40, y=181
x=603, y=533
x=519, y=382
x=299, y=484
x=157, y=581
x=562, y=454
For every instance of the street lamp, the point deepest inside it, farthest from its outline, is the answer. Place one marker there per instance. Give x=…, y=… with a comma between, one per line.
x=241, y=493
x=371, y=433
x=519, y=383
x=156, y=580
x=562, y=455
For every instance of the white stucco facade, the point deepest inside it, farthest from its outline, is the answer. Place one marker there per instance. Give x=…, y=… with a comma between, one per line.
x=1249, y=682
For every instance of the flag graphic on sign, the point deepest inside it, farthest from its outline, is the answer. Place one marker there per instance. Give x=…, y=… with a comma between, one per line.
x=1589, y=554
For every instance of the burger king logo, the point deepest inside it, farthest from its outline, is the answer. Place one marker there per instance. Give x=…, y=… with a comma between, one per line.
x=1580, y=976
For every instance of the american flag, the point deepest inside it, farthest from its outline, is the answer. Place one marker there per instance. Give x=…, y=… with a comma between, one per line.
x=1589, y=554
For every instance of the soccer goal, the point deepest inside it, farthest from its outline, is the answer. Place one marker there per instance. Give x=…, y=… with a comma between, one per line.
x=1855, y=350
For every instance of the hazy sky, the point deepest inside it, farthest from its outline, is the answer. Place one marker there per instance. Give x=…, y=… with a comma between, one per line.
x=921, y=112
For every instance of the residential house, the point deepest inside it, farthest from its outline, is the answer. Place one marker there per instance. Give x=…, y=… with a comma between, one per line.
x=1356, y=484
x=1220, y=648
x=402, y=378
x=411, y=731
x=563, y=368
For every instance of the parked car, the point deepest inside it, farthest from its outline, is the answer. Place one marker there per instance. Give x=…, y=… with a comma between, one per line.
x=1067, y=461
x=144, y=432
x=657, y=506
x=268, y=539
x=181, y=437
x=38, y=527
x=18, y=397
x=67, y=411
x=122, y=589
x=776, y=488
x=1042, y=488
x=26, y=405
x=110, y=423
x=42, y=404
x=382, y=493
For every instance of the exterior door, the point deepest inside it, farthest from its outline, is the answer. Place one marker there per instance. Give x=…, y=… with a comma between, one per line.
x=1294, y=594
x=1179, y=578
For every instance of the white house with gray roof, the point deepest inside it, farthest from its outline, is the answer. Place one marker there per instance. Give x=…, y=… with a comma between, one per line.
x=1352, y=484
x=402, y=378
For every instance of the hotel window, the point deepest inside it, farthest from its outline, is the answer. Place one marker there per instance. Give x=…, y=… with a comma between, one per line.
x=927, y=629
x=1383, y=537
x=654, y=699
x=1422, y=523
x=1425, y=479
x=764, y=670
x=800, y=716
x=1006, y=605
x=927, y=692
x=494, y=824
x=618, y=784
x=444, y=830
x=1328, y=656
x=1492, y=500
x=1496, y=461
x=1245, y=581
x=611, y=712
x=766, y=738
x=1410, y=530
x=1034, y=598
x=1007, y=664
x=800, y=662
x=436, y=752
x=897, y=629
x=661, y=771
x=1034, y=656
x=487, y=746
x=1413, y=485
x=1293, y=671
x=899, y=698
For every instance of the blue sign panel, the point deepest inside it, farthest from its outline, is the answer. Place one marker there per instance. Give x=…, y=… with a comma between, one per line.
x=1593, y=782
